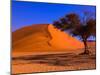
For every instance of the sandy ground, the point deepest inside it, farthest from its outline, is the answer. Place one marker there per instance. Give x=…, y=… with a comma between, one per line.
x=56, y=61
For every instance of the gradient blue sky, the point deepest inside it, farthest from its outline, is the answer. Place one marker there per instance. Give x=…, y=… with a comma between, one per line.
x=28, y=13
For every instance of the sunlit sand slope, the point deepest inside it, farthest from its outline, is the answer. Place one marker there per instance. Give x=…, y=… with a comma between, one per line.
x=62, y=40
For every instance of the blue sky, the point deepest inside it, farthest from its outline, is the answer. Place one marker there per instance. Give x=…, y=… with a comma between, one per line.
x=28, y=13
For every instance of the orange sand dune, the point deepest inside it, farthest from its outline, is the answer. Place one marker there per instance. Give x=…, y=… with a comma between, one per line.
x=43, y=38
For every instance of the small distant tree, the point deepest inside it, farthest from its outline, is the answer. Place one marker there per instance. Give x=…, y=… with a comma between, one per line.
x=83, y=27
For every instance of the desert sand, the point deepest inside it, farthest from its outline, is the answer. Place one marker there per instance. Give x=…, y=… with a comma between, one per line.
x=43, y=48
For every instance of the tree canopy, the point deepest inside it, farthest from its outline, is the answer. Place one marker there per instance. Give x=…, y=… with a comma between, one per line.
x=83, y=27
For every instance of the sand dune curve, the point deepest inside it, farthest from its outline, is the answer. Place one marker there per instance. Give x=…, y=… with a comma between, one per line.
x=43, y=38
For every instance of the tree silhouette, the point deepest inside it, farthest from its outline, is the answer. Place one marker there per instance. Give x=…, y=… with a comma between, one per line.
x=83, y=27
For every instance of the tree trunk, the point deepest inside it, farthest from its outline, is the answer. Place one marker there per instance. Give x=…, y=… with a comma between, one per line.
x=86, y=51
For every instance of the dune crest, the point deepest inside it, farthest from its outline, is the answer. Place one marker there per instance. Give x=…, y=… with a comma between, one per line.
x=43, y=38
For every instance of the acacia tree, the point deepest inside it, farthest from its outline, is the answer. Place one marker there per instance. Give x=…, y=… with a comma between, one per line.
x=76, y=26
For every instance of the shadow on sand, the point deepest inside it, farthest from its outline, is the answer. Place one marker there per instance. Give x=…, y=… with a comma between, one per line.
x=64, y=59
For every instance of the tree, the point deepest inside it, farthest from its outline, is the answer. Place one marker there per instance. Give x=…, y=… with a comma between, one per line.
x=83, y=27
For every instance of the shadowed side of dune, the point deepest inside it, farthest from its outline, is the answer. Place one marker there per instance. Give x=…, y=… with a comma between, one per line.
x=32, y=38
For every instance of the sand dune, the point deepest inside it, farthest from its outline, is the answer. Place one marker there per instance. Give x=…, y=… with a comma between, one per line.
x=43, y=38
